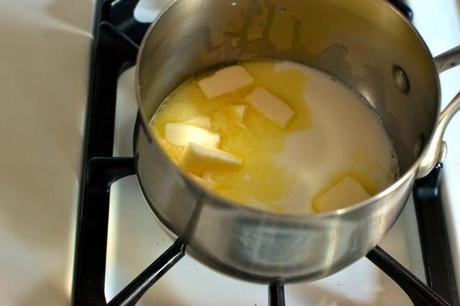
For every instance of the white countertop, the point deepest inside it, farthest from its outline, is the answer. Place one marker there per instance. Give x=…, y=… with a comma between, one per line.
x=44, y=71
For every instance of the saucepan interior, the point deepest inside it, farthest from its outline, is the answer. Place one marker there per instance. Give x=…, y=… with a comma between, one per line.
x=362, y=43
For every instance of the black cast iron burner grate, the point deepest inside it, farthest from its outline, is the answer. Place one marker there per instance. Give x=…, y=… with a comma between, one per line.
x=116, y=38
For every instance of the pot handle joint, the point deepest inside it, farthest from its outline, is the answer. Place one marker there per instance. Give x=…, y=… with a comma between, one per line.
x=437, y=149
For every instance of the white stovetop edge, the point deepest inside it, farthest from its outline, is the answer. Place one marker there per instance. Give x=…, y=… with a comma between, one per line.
x=44, y=74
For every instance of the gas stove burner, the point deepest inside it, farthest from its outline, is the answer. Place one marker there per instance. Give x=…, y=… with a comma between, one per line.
x=117, y=36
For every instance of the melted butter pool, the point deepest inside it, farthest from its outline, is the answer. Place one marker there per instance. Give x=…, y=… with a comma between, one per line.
x=333, y=133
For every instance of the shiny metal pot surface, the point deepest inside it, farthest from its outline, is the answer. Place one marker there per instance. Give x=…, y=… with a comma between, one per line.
x=368, y=46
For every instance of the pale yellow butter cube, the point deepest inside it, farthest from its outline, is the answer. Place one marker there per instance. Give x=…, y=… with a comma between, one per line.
x=199, y=159
x=225, y=81
x=240, y=112
x=181, y=134
x=201, y=121
x=270, y=106
x=346, y=192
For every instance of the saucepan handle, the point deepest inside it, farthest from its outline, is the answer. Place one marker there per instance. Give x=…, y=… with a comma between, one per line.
x=436, y=149
x=447, y=60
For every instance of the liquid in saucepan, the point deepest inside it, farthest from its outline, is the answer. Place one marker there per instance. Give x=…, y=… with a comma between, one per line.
x=277, y=136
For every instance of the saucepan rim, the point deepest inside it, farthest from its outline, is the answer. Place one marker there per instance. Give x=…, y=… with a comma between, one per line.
x=222, y=202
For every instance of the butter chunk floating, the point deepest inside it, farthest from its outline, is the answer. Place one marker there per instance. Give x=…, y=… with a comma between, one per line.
x=181, y=134
x=345, y=193
x=200, y=180
x=201, y=121
x=225, y=81
x=239, y=111
x=199, y=159
x=270, y=106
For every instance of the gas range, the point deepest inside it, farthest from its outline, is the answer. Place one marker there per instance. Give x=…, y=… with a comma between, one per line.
x=122, y=251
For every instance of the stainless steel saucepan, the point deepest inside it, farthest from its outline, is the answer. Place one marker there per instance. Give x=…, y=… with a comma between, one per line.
x=366, y=44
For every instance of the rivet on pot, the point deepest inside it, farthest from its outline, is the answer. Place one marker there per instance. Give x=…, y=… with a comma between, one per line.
x=401, y=79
